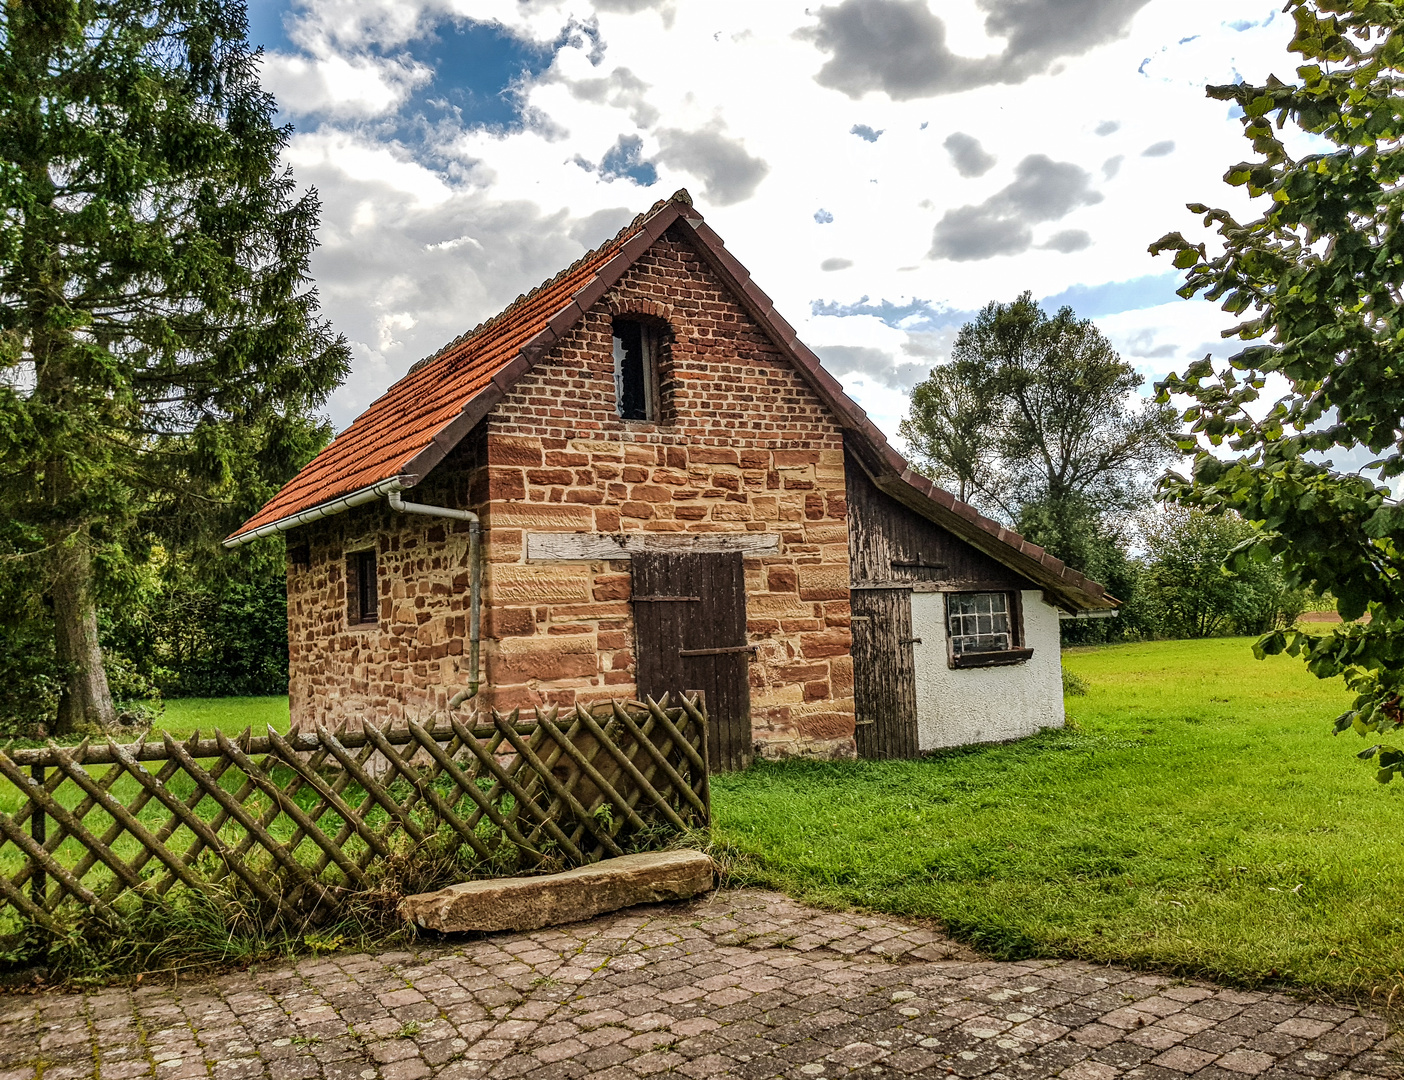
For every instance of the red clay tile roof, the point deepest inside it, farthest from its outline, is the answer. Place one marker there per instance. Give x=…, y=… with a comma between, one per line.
x=408, y=430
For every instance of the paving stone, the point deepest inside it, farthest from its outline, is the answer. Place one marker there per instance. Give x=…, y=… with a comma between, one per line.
x=696, y=989
x=1249, y=1062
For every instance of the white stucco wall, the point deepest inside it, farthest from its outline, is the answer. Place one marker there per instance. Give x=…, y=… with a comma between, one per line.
x=974, y=705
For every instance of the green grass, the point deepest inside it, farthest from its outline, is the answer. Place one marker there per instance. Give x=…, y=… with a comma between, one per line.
x=230, y=715
x=1195, y=816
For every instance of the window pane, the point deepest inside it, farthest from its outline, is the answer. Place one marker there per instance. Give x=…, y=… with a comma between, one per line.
x=979, y=622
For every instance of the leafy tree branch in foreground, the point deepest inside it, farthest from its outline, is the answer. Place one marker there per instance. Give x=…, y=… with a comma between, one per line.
x=1317, y=280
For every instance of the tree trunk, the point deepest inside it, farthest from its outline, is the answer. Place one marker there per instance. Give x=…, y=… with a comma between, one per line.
x=86, y=701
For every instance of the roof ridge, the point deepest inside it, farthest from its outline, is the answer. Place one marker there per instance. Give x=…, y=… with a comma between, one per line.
x=681, y=195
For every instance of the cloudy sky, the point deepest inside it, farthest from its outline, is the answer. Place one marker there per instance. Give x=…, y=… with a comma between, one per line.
x=883, y=167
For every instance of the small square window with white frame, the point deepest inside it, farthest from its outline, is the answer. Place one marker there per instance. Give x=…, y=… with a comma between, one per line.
x=979, y=623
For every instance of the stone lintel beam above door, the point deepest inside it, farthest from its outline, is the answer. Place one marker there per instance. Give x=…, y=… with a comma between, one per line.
x=607, y=547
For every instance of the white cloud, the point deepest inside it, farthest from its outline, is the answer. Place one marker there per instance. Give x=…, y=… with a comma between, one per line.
x=340, y=87
x=430, y=226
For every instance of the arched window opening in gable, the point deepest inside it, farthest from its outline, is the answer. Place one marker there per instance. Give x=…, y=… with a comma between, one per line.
x=637, y=345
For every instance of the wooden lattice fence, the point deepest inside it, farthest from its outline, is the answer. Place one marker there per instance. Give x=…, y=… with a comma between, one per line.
x=299, y=822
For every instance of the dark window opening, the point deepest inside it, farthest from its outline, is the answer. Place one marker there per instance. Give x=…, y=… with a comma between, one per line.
x=363, y=596
x=635, y=371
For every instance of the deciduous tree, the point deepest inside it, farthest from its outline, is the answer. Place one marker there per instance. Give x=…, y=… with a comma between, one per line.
x=1035, y=410
x=1318, y=278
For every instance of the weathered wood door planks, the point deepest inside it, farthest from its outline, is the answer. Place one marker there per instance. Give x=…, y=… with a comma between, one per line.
x=884, y=673
x=690, y=625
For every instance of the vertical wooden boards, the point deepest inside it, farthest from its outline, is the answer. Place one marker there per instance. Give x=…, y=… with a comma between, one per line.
x=696, y=603
x=884, y=673
x=889, y=543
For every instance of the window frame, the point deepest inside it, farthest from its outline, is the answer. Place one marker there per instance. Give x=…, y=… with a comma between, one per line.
x=356, y=593
x=1016, y=653
x=649, y=342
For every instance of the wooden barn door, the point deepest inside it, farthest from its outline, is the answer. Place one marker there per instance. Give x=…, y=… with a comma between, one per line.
x=690, y=629
x=884, y=673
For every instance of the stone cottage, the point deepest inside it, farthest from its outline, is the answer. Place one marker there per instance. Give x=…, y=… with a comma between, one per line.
x=637, y=480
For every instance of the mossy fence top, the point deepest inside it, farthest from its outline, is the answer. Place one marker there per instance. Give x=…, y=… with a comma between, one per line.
x=292, y=826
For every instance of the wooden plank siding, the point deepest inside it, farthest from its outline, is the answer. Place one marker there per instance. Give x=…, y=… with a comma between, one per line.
x=884, y=674
x=889, y=544
x=893, y=551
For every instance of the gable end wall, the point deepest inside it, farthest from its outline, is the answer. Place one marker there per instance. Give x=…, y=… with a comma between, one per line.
x=743, y=446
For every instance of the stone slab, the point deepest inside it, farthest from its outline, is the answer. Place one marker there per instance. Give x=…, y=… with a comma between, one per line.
x=529, y=903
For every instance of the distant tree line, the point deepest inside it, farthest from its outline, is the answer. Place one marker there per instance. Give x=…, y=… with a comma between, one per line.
x=1037, y=421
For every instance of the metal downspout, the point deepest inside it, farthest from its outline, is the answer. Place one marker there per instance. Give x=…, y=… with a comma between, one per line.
x=475, y=579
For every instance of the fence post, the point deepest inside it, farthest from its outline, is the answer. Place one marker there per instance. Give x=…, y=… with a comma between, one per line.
x=38, y=829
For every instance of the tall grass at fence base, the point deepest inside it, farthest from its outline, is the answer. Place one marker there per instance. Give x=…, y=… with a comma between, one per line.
x=190, y=932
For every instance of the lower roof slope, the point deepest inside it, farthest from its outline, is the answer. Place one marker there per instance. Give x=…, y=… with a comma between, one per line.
x=404, y=433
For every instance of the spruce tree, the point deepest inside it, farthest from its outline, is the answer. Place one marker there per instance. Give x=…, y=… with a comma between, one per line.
x=160, y=342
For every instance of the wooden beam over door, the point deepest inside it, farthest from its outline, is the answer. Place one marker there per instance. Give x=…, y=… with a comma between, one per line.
x=607, y=547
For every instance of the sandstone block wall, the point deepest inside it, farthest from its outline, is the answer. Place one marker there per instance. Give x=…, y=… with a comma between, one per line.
x=741, y=445
x=415, y=656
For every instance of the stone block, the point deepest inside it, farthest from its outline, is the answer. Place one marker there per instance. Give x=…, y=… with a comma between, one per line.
x=713, y=455
x=513, y=450
x=825, y=643
x=503, y=485
x=827, y=581
x=782, y=579
x=541, y=517
x=541, y=665
x=612, y=586
x=827, y=532
x=547, y=477
x=540, y=585
x=529, y=903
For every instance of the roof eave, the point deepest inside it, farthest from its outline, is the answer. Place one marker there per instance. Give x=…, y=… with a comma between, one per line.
x=338, y=505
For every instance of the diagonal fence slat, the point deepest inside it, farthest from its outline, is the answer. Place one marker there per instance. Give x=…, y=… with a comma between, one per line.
x=291, y=826
x=524, y=802
x=332, y=798
x=643, y=787
x=469, y=787
x=56, y=810
x=587, y=766
x=560, y=791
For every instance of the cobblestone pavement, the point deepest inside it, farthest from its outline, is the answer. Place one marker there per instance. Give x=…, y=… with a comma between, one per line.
x=743, y=983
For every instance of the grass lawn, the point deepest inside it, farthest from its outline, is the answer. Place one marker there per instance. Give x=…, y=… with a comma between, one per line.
x=1195, y=815
x=230, y=715
x=181, y=717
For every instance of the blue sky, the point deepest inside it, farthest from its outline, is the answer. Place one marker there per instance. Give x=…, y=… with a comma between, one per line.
x=883, y=167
